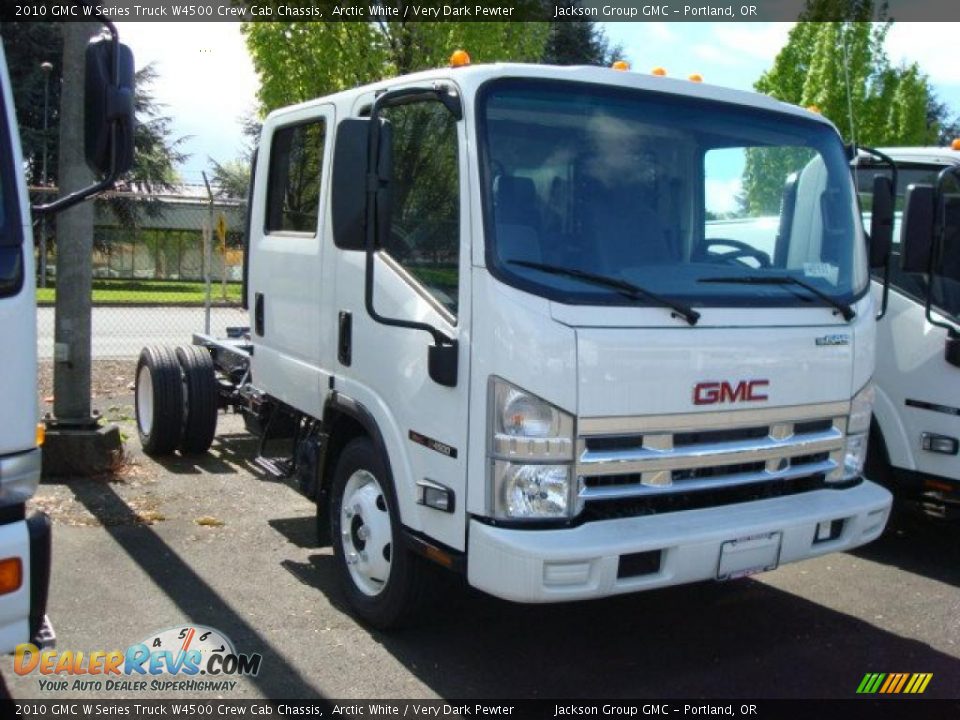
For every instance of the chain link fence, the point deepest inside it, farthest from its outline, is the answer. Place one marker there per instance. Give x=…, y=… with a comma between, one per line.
x=158, y=260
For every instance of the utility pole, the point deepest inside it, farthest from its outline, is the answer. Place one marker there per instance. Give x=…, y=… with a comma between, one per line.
x=76, y=445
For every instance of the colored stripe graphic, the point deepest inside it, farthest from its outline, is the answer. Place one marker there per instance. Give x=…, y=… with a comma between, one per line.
x=894, y=683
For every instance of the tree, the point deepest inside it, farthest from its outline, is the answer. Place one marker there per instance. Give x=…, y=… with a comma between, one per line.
x=841, y=69
x=577, y=42
x=27, y=47
x=301, y=61
x=231, y=178
x=156, y=157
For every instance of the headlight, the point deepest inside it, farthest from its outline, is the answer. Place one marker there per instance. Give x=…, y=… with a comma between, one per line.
x=533, y=491
x=855, y=456
x=531, y=455
x=858, y=427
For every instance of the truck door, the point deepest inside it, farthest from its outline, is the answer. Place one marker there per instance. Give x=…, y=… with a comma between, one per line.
x=421, y=274
x=285, y=283
x=918, y=396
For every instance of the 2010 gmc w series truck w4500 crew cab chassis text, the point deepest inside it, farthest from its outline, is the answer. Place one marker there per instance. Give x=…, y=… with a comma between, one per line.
x=496, y=324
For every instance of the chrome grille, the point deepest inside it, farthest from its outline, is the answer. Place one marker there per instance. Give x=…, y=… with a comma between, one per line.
x=661, y=455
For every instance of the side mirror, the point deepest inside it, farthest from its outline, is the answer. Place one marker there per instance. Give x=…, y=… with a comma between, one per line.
x=109, y=111
x=348, y=197
x=948, y=262
x=881, y=221
x=351, y=160
x=916, y=233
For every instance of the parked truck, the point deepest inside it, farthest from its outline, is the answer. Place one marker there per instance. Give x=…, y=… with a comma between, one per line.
x=915, y=434
x=25, y=542
x=497, y=324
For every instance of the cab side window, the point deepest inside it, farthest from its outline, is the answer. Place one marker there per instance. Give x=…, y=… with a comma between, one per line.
x=293, y=188
x=425, y=209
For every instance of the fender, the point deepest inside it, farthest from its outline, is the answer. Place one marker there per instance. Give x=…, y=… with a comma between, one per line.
x=338, y=404
x=893, y=432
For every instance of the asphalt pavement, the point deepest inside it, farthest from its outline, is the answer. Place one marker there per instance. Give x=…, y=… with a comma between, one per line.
x=211, y=541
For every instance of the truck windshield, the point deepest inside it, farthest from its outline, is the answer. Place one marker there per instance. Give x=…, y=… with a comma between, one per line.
x=664, y=193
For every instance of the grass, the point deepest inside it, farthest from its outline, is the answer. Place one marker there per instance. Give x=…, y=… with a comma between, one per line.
x=159, y=292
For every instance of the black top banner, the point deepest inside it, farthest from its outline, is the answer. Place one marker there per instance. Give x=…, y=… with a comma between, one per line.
x=457, y=10
x=487, y=709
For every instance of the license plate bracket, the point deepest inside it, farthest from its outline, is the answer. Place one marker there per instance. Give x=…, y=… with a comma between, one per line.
x=749, y=555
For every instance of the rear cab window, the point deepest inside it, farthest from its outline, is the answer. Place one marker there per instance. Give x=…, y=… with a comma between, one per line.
x=293, y=186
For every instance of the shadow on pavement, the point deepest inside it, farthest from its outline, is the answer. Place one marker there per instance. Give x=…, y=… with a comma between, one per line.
x=736, y=640
x=229, y=454
x=918, y=544
x=301, y=531
x=191, y=593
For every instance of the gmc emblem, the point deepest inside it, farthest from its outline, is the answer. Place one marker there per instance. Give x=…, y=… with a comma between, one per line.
x=710, y=393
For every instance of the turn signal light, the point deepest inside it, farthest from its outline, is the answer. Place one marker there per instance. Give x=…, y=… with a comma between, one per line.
x=41, y=434
x=955, y=145
x=460, y=58
x=11, y=575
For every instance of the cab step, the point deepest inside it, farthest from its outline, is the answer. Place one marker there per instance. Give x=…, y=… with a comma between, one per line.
x=279, y=467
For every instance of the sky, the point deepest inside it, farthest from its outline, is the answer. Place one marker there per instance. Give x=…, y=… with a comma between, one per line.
x=207, y=82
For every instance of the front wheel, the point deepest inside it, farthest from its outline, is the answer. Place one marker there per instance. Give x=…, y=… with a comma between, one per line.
x=381, y=579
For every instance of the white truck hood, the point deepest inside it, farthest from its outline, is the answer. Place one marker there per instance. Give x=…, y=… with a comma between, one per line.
x=656, y=371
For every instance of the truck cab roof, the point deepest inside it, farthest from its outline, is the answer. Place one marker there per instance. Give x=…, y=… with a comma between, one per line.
x=470, y=78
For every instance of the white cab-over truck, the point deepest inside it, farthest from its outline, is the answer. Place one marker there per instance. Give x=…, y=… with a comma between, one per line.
x=496, y=324
x=25, y=541
x=915, y=436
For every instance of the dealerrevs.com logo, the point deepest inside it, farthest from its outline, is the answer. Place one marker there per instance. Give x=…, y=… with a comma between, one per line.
x=189, y=658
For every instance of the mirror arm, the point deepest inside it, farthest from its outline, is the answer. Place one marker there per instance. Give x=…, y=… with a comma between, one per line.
x=79, y=196
x=374, y=183
x=885, y=294
x=888, y=161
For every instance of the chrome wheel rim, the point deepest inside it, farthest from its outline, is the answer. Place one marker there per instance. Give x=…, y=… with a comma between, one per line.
x=144, y=400
x=365, y=533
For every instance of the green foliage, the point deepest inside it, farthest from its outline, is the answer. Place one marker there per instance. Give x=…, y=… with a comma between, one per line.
x=885, y=105
x=302, y=61
x=27, y=46
x=577, y=42
x=231, y=178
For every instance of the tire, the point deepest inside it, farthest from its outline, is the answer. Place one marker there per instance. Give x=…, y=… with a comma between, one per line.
x=382, y=580
x=199, y=400
x=158, y=400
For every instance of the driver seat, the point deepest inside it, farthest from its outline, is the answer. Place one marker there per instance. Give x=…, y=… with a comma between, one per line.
x=622, y=230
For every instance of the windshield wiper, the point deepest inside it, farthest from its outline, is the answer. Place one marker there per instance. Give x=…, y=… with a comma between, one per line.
x=842, y=308
x=621, y=286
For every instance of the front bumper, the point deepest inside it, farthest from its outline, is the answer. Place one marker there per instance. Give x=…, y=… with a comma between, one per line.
x=582, y=562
